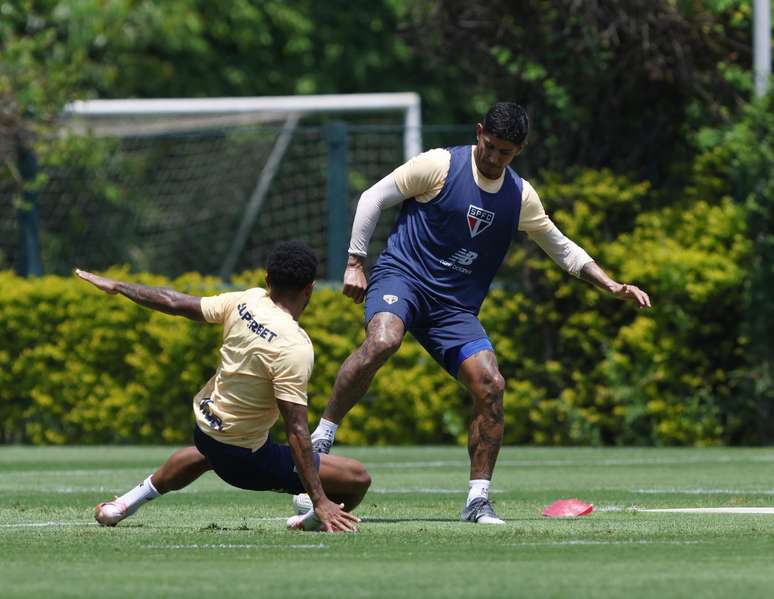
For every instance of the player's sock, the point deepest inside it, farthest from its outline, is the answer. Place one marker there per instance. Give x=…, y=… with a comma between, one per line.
x=478, y=488
x=140, y=495
x=324, y=435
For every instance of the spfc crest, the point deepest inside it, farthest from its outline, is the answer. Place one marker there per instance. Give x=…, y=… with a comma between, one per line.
x=479, y=219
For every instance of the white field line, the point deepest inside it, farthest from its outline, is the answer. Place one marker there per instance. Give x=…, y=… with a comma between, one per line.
x=58, y=490
x=420, y=490
x=45, y=524
x=534, y=463
x=75, y=489
x=713, y=510
x=703, y=491
x=234, y=546
x=93, y=523
x=65, y=472
x=589, y=542
x=537, y=463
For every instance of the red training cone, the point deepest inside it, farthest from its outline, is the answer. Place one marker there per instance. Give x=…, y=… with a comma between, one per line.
x=568, y=508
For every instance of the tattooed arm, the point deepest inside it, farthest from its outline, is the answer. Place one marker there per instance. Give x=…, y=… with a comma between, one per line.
x=162, y=299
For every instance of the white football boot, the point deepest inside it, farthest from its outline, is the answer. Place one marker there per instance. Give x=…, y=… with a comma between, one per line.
x=110, y=513
x=301, y=504
x=480, y=511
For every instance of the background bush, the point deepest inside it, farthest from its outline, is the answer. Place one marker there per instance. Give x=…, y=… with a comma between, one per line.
x=582, y=367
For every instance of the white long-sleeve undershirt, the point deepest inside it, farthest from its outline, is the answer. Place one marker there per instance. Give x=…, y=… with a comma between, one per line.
x=380, y=196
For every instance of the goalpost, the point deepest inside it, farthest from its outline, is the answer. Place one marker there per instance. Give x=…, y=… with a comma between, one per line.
x=209, y=184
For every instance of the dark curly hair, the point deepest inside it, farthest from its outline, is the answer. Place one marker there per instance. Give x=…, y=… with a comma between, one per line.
x=507, y=121
x=292, y=265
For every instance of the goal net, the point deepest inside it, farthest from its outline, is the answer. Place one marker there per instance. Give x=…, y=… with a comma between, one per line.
x=210, y=185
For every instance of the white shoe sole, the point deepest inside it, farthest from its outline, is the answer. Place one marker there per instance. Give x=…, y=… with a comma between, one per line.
x=489, y=520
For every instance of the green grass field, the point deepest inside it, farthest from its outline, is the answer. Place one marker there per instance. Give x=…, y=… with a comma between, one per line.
x=214, y=541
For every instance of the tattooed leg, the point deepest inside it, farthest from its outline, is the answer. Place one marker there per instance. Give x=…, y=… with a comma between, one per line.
x=480, y=375
x=383, y=338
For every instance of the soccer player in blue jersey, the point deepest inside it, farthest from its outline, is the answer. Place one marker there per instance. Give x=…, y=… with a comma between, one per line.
x=460, y=209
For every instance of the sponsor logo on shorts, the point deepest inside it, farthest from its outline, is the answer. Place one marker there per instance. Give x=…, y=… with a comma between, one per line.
x=479, y=220
x=390, y=299
x=459, y=260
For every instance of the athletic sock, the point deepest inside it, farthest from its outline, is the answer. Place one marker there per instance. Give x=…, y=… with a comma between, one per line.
x=325, y=430
x=138, y=496
x=478, y=488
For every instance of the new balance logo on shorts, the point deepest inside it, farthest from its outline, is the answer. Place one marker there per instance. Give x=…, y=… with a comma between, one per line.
x=459, y=260
x=479, y=220
x=390, y=299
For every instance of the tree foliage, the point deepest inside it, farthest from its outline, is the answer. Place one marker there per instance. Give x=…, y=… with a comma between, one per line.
x=581, y=367
x=666, y=179
x=607, y=83
x=740, y=158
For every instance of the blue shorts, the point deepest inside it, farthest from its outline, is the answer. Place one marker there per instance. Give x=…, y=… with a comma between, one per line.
x=270, y=468
x=448, y=334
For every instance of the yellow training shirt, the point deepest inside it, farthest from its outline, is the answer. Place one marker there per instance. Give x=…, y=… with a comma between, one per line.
x=265, y=357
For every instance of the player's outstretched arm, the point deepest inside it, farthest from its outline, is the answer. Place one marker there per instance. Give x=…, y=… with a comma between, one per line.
x=332, y=515
x=592, y=273
x=162, y=299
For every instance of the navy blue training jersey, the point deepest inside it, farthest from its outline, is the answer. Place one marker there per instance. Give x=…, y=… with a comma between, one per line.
x=453, y=245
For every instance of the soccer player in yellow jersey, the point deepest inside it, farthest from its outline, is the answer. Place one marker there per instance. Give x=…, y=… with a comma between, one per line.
x=266, y=361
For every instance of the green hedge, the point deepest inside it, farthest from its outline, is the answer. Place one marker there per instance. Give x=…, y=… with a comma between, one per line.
x=77, y=366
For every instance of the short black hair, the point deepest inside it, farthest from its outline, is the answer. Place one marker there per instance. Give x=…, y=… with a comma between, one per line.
x=291, y=266
x=507, y=121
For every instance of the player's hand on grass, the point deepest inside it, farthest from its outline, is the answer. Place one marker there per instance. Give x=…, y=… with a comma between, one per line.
x=354, y=279
x=107, y=285
x=634, y=294
x=334, y=518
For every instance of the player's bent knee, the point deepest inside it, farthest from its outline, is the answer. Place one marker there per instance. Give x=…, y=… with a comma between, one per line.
x=360, y=477
x=382, y=345
x=498, y=384
x=490, y=384
x=357, y=475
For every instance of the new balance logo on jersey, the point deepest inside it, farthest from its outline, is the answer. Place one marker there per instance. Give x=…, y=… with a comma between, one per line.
x=464, y=257
x=479, y=220
x=390, y=299
x=459, y=260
